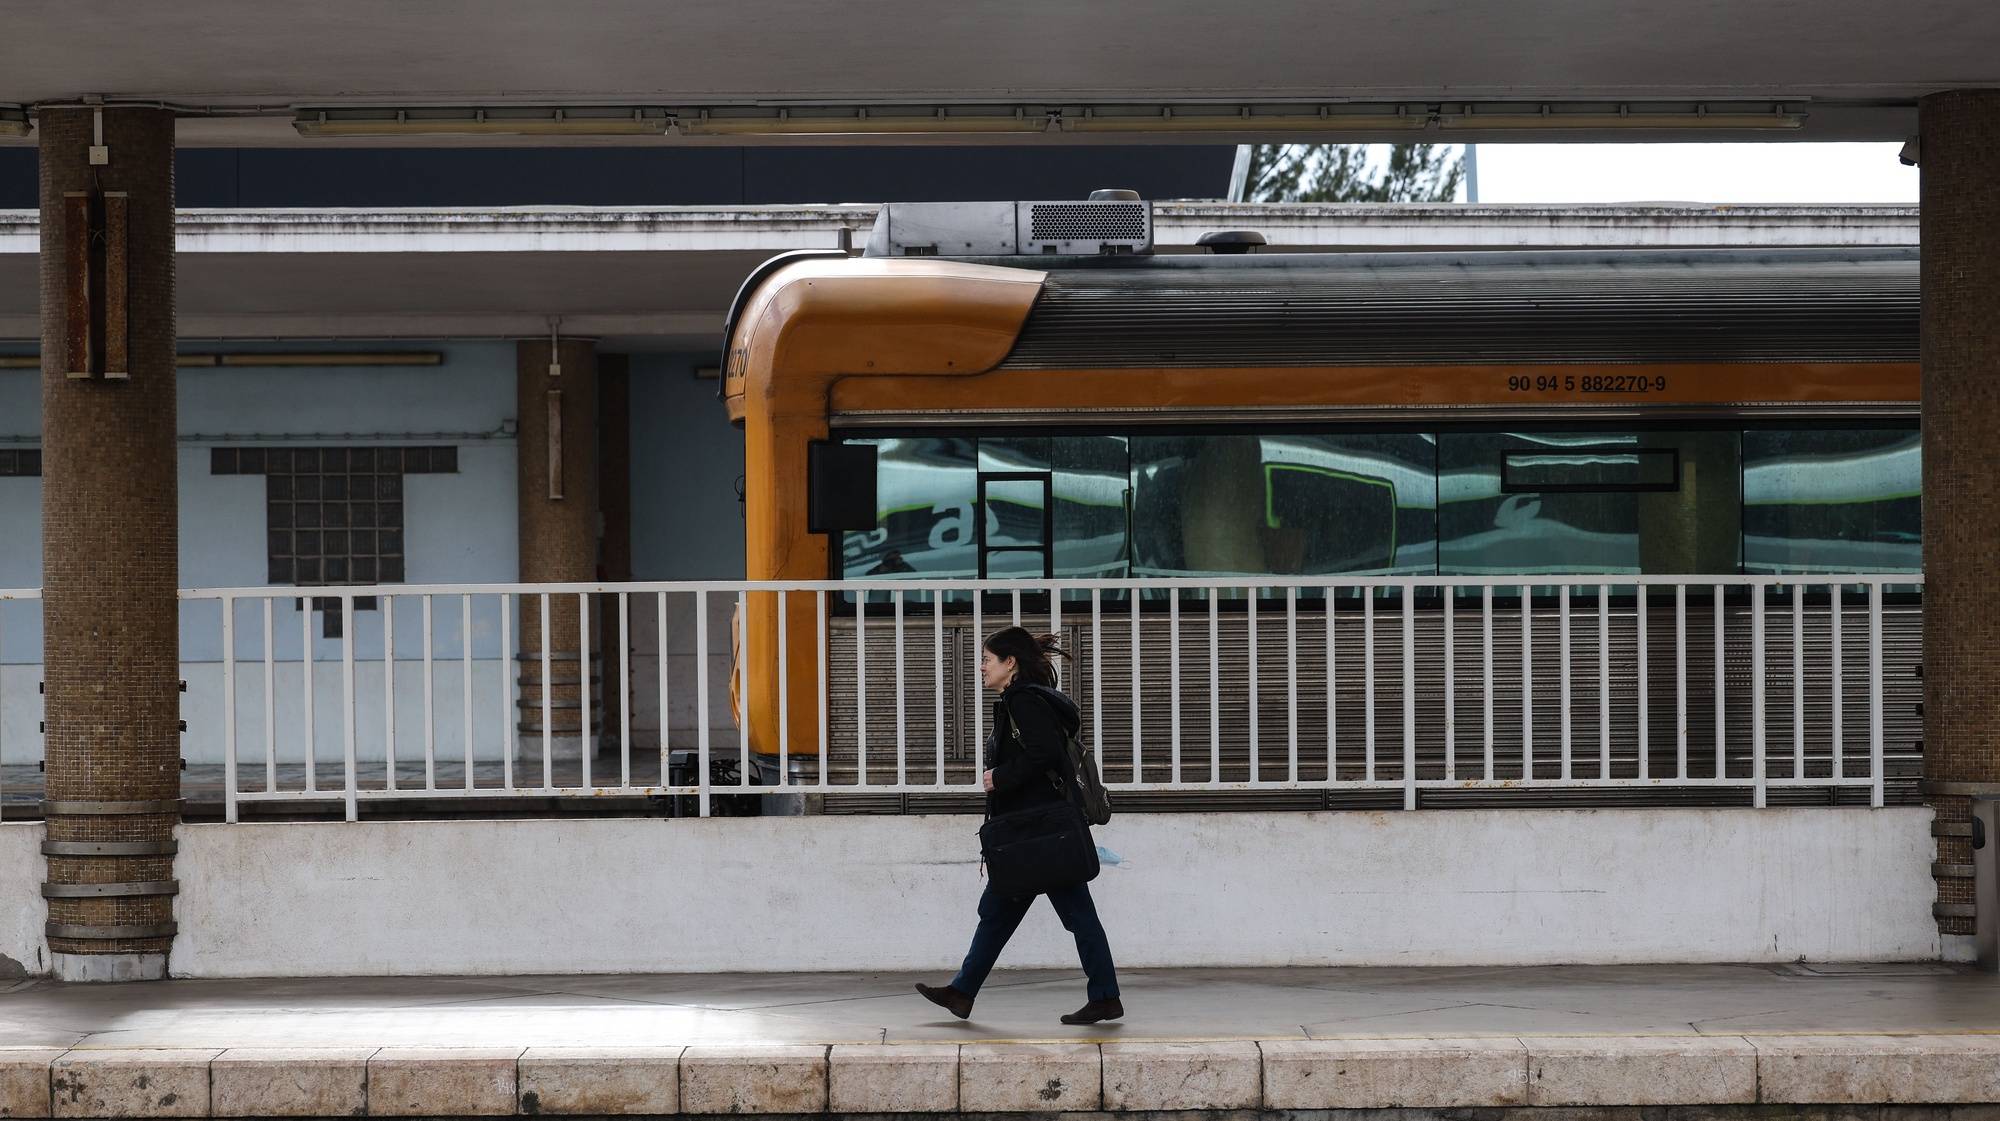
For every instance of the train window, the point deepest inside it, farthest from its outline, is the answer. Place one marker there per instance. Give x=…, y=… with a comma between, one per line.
x=1652, y=502
x=925, y=490
x=1089, y=477
x=1284, y=505
x=1832, y=501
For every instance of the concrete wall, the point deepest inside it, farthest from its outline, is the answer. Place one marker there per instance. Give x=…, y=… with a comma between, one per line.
x=686, y=458
x=1430, y=888
x=22, y=911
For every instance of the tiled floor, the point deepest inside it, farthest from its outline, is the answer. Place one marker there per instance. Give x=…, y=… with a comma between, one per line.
x=1203, y=1004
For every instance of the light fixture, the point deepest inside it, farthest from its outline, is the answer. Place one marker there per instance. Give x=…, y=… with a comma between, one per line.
x=1243, y=120
x=1274, y=119
x=507, y=121
x=14, y=121
x=1620, y=118
x=862, y=121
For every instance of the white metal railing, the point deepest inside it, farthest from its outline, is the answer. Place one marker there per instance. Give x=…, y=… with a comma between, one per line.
x=1409, y=685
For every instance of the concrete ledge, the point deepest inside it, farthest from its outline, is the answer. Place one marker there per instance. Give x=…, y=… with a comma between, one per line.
x=893, y=1078
x=1545, y=1077
x=274, y=1082
x=1641, y=1070
x=785, y=1078
x=1029, y=1077
x=121, y=1082
x=600, y=1081
x=1878, y=1069
x=442, y=1082
x=24, y=1080
x=1169, y=1076
x=1388, y=1073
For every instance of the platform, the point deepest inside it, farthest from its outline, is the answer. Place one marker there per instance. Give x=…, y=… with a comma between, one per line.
x=1208, y=1040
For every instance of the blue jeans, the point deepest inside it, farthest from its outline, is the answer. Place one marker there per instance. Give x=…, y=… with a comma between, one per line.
x=999, y=915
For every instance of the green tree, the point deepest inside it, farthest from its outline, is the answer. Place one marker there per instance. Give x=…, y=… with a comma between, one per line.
x=1345, y=173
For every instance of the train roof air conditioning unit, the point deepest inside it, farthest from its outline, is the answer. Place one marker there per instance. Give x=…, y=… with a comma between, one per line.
x=1109, y=222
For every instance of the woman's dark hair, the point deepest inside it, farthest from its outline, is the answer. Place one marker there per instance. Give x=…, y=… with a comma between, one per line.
x=1030, y=653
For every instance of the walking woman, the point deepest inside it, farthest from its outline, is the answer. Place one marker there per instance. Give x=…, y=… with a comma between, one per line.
x=1016, y=665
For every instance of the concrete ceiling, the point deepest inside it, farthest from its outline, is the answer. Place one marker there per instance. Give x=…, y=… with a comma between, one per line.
x=1854, y=66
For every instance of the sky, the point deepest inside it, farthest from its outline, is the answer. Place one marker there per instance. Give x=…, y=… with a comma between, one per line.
x=1745, y=172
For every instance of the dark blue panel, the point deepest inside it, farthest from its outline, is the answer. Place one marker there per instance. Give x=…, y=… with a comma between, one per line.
x=307, y=177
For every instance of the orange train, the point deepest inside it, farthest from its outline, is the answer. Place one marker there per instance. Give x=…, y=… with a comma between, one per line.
x=1028, y=329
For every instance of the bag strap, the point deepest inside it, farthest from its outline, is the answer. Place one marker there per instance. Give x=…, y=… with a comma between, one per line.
x=1014, y=726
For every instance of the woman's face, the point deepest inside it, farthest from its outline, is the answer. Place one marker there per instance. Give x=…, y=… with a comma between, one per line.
x=998, y=673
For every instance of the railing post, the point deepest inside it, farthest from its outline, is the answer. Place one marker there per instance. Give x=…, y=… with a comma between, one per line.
x=1875, y=692
x=1643, y=607
x=350, y=780
x=1137, y=678
x=1409, y=696
x=1839, y=704
x=1250, y=676
x=1292, y=683
x=1450, y=596
x=1367, y=683
x=1757, y=775
x=1562, y=648
x=228, y=708
x=389, y=692
x=465, y=682
x=701, y=696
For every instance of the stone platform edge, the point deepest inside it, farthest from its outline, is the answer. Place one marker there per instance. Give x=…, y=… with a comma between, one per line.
x=1139, y=1077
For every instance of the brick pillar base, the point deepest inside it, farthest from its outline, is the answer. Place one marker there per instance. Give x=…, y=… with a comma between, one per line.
x=558, y=520
x=1961, y=417
x=110, y=643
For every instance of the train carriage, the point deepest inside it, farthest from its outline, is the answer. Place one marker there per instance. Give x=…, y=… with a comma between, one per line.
x=1298, y=442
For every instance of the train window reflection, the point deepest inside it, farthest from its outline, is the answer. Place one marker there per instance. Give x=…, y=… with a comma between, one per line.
x=925, y=489
x=1089, y=475
x=1832, y=501
x=1590, y=469
x=1289, y=504
x=1588, y=502
x=1284, y=505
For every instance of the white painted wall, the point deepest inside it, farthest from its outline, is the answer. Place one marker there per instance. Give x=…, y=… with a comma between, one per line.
x=1468, y=887
x=22, y=910
x=459, y=528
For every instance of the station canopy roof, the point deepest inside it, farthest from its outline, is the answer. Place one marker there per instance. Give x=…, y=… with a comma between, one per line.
x=250, y=72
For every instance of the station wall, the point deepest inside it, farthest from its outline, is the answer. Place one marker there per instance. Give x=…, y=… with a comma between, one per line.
x=460, y=527
x=1457, y=887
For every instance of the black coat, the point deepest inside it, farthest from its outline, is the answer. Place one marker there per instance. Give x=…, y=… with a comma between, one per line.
x=1021, y=768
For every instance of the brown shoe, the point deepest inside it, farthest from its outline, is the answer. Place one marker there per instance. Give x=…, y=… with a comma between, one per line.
x=947, y=998
x=1096, y=1011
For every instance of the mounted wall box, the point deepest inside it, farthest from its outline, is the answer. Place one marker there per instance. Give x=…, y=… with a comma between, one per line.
x=840, y=486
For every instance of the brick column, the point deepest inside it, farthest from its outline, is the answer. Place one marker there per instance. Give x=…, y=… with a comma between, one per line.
x=1961, y=419
x=614, y=498
x=111, y=659
x=558, y=423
